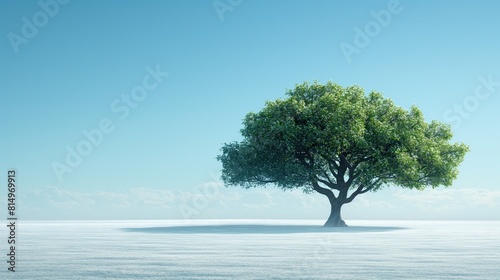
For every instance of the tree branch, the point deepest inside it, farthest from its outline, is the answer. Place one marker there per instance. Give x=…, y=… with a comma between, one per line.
x=344, y=159
x=329, y=184
x=331, y=163
x=328, y=178
x=335, y=164
x=360, y=190
x=353, y=176
x=365, y=190
x=344, y=165
x=328, y=193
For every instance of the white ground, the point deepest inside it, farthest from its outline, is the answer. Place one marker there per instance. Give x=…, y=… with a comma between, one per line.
x=255, y=249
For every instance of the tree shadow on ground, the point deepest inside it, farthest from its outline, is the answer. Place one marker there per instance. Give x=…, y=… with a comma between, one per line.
x=257, y=229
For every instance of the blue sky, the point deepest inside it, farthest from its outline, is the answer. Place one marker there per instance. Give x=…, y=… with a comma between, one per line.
x=74, y=66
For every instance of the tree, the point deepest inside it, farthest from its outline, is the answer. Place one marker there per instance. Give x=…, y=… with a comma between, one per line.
x=341, y=143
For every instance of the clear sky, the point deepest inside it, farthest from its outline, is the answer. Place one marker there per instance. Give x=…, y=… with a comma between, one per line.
x=146, y=92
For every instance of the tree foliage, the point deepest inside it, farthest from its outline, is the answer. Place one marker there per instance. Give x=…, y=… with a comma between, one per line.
x=333, y=138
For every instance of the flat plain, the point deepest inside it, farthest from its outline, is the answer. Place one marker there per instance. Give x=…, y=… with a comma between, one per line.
x=255, y=249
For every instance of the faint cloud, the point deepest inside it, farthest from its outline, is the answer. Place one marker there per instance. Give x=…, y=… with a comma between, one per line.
x=266, y=199
x=364, y=202
x=75, y=199
x=451, y=198
x=308, y=200
x=68, y=199
x=153, y=197
x=139, y=196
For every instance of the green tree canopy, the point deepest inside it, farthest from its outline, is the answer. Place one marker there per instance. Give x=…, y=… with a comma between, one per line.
x=341, y=143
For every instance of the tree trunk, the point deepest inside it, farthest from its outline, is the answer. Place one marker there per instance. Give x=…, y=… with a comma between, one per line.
x=335, y=219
